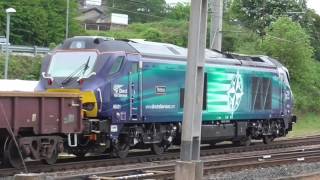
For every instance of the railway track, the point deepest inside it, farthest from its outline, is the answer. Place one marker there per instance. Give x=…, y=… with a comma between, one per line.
x=140, y=157
x=166, y=171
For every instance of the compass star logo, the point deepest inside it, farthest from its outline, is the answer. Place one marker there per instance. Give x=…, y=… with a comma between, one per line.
x=235, y=92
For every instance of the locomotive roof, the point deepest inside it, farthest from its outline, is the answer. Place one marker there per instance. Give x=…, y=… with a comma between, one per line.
x=165, y=51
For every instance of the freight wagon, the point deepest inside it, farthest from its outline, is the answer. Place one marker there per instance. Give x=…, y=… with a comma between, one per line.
x=39, y=124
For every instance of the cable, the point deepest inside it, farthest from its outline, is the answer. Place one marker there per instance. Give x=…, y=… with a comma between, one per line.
x=14, y=138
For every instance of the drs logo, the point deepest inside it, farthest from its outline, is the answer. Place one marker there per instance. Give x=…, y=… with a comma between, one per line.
x=120, y=91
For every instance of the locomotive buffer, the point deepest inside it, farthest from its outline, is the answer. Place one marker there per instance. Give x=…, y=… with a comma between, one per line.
x=190, y=167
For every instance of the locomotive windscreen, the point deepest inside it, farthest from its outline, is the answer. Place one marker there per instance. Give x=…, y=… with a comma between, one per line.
x=64, y=64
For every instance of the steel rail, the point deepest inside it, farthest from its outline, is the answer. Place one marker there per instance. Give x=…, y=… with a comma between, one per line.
x=167, y=170
x=101, y=161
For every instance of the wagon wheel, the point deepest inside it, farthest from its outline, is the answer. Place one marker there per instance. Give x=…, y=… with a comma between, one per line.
x=3, y=140
x=52, y=159
x=12, y=154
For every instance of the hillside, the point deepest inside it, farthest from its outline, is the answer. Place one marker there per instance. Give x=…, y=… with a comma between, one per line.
x=21, y=67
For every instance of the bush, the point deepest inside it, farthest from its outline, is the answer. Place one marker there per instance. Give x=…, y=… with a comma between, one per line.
x=21, y=67
x=289, y=43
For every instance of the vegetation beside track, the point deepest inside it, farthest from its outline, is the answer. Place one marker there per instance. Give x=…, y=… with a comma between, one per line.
x=307, y=125
x=21, y=67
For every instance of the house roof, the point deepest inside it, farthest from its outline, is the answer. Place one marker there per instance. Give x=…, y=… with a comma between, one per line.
x=94, y=8
x=93, y=15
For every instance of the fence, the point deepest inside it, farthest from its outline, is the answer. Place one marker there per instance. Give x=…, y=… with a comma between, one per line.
x=25, y=49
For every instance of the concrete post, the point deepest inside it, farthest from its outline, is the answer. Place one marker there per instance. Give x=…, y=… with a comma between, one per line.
x=189, y=170
x=190, y=167
x=216, y=25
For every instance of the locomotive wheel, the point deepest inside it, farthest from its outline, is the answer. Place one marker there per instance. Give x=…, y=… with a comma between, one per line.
x=158, y=148
x=80, y=153
x=246, y=141
x=267, y=139
x=52, y=159
x=122, y=150
x=11, y=154
x=236, y=143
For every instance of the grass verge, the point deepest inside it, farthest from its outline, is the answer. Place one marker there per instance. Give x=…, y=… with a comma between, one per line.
x=307, y=125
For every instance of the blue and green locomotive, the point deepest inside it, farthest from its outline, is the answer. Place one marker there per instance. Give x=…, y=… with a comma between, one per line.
x=133, y=94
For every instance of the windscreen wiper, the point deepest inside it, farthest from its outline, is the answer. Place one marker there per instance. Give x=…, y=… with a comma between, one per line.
x=82, y=69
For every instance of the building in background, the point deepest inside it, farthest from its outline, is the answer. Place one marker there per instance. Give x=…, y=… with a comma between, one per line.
x=93, y=2
x=86, y=3
x=95, y=15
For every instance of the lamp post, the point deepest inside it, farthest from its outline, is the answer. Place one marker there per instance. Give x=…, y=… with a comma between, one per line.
x=8, y=11
x=67, y=20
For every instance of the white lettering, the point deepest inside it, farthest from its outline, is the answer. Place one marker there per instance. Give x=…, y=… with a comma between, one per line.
x=161, y=106
x=119, y=91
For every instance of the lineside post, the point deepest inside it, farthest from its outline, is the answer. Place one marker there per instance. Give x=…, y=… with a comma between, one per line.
x=190, y=166
x=216, y=24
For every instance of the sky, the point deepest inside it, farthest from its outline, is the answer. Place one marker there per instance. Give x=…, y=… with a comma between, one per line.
x=312, y=4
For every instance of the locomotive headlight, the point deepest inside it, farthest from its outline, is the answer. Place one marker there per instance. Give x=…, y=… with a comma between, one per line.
x=88, y=106
x=118, y=115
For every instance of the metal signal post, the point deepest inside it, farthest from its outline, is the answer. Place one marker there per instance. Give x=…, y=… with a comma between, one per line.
x=190, y=167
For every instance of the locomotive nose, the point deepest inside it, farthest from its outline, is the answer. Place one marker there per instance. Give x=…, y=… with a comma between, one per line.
x=88, y=100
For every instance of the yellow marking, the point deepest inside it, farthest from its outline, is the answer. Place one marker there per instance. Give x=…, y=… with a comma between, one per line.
x=86, y=97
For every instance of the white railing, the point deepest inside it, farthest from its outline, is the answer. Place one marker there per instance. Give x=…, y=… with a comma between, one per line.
x=25, y=49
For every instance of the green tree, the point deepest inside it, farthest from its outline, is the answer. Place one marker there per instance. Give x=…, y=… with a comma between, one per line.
x=39, y=22
x=181, y=11
x=170, y=31
x=259, y=14
x=314, y=31
x=288, y=42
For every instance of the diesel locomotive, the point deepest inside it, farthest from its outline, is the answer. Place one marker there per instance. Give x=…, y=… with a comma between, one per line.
x=132, y=94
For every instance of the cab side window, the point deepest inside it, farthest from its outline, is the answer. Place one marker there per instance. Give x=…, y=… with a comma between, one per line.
x=134, y=68
x=116, y=65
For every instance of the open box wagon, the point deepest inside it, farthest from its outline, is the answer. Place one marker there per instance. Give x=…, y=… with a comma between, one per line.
x=38, y=123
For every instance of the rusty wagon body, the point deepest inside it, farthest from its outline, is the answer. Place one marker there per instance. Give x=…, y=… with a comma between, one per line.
x=38, y=123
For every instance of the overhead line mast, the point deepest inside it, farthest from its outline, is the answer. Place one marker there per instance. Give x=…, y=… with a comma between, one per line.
x=216, y=24
x=190, y=166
